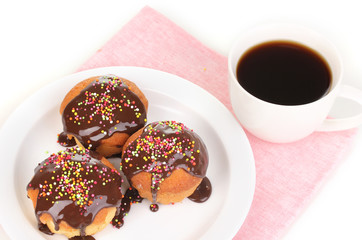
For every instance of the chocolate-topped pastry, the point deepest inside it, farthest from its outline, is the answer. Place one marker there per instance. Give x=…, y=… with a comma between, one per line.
x=75, y=193
x=166, y=161
x=102, y=112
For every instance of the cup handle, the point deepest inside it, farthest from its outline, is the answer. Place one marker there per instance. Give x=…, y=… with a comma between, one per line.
x=344, y=123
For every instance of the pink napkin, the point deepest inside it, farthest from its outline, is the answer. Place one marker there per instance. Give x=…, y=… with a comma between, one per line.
x=288, y=175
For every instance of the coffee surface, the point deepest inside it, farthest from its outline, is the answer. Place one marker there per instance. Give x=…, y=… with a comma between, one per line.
x=284, y=72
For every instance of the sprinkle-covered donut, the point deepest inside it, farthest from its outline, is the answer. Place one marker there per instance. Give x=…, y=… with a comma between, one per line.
x=102, y=112
x=165, y=161
x=75, y=193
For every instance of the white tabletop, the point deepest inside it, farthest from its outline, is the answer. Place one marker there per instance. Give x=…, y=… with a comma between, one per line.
x=42, y=41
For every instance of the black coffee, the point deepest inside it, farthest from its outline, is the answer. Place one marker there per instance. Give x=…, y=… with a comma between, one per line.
x=284, y=72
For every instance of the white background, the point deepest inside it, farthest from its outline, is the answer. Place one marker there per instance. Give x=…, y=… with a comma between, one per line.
x=41, y=41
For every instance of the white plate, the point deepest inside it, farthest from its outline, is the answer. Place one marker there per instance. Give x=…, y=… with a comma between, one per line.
x=30, y=134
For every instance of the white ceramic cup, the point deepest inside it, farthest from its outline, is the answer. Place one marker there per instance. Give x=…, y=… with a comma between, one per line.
x=285, y=123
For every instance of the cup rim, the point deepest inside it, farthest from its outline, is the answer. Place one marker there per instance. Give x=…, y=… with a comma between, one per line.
x=332, y=88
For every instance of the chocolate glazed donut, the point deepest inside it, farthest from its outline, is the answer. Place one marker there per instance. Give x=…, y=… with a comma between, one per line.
x=75, y=193
x=102, y=112
x=166, y=162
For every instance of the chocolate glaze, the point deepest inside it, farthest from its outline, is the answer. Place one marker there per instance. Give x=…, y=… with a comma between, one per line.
x=102, y=108
x=73, y=187
x=65, y=141
x=82, y=238
x=154, y=207
x=131, y=196
x=161, y=148
x=202, y=192
x=44, y=228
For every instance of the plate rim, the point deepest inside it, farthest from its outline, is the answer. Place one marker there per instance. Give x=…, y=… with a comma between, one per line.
x=182, y=81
